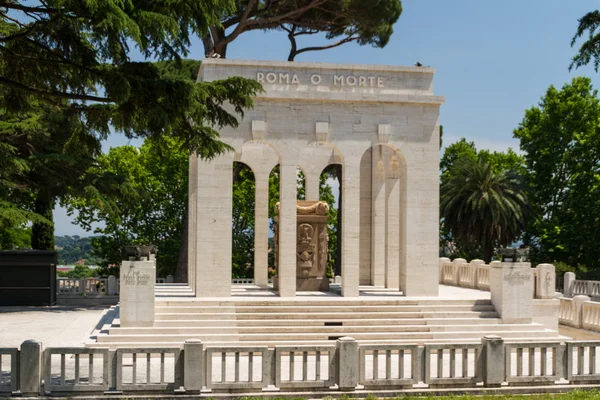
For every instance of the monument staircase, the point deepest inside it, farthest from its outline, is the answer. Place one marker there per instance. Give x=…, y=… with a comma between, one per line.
x=261, y=320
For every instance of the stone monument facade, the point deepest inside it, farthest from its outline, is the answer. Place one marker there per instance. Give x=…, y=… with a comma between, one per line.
x=380, y=123
x=311, y=246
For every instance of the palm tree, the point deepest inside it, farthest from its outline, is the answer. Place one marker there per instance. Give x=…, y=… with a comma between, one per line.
x=483, y=207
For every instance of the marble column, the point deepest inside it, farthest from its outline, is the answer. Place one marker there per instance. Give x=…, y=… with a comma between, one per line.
x=365, y=218
x=213, y=227
x=192, y=225
x=392, y=221
x=261, y=230
x=419, y=268
x=287, y=230
x=312, y=181
x=351, y=226
x=378, y=231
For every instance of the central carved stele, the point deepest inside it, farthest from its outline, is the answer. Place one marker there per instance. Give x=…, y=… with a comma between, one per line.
x=312, y=240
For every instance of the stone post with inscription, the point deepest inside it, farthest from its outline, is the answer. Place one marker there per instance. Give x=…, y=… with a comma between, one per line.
x=138, y=277
x=511, y=287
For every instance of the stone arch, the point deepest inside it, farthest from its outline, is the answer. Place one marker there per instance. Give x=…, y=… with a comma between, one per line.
x=313, y=159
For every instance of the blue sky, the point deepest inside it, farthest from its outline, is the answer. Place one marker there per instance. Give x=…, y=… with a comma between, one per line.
x=494, y=59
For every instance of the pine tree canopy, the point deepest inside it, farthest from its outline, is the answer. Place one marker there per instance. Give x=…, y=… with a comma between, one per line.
x=341, y=21
x=74, y=54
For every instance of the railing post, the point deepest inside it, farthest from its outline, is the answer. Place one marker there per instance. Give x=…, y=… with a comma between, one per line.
x=443, y=260
x=30, y=368
x=111, y=284
x=578, y=317
x=347, y=350
x=568, y=282
x=457, y=262
x=475, y=271
x=493, y=361
x=193, y=363
x=546, y=281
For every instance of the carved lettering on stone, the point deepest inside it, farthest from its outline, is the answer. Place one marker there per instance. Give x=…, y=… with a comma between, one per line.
x=517, y=278
x=136, y=278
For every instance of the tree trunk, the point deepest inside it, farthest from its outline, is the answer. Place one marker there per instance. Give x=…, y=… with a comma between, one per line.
x=181, y=270
x=338, y=250
x=488, y=250
x=42, y=235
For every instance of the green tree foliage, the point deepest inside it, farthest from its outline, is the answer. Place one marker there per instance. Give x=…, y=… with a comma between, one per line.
x=147, y=207
x=66, y=64
x=481, y=206
x=15, y=237
x=341, y=21
x=79, y=52
x=80, y=272
x=455, y=152
x=561, y=141
x=243, y=221
x=72, y=249
x=500, y=162
x=590, y=49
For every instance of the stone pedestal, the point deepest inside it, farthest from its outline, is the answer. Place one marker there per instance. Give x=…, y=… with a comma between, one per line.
x=311, y=247
x=511, y=287
x=137, y=280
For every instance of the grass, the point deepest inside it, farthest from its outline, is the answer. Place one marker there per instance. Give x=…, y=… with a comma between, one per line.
x=574, y=395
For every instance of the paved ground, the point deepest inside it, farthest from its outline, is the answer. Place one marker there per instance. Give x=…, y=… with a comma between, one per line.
x=53, y=326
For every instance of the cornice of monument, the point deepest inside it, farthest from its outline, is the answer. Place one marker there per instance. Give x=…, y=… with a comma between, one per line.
x=316, y=65
x=327, y=82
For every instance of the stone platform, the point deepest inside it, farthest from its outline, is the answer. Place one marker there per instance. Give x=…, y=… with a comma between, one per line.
x=256, y=316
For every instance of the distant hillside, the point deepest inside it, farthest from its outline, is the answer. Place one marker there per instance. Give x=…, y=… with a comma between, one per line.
x=75, y=248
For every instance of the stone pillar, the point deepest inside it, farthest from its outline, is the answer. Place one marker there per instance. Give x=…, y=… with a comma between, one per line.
x=378, y=218
x=365, y=218
x=111, y=290
x=193, y=365
x=213, y=227
x=137, y=279
x=313, y=181
x=420, y=222
x=568, y=281
x=30, y=368
x=493, y=361
x=347, y=349
x=546, y=281
x=261, y=230
x=192, y=223
x=351, y=227
x=511, y=290
x=287, y=230
x=578, y=317
x=392, y=247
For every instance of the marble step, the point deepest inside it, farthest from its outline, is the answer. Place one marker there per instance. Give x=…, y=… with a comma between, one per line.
x=373, y=309
x=345, y=330
x=302, y=322
x=303, y=337
x=316, y=301
x=328, y=316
